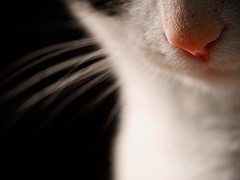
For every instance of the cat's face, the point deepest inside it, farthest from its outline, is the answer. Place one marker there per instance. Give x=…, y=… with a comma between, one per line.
x=172, y=33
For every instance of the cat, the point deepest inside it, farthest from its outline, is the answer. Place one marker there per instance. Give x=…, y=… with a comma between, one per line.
x=178, y=65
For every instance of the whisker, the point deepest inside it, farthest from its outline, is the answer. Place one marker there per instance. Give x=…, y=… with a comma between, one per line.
x=115, y=109
x=52, y=70
x=112, y=115
x=55, y=96
x=82, y=90
x=88, y=74
x=61, y=84
x=101, y=97
x=71, y=98
x=73, y=46
x=106, y=92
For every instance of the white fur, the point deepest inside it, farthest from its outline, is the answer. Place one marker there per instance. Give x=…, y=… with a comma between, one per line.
x=180, y=118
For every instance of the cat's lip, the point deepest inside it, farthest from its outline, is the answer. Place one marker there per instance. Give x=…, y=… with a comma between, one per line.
x=201, y=55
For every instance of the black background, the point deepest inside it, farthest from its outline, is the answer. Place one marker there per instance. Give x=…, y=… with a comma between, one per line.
x=73, y=143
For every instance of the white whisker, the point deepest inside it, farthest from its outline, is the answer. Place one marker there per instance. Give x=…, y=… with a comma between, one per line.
x=82, y=90
x=61, y=84
x=73, y=46
x=109, y=90
x=52, y=70
x=113, y=113
x=72, y=97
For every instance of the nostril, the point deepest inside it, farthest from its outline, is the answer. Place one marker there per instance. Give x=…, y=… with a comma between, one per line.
x=198, y=45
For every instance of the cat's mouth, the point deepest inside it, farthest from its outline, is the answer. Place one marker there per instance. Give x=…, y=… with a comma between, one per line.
x=202, y=55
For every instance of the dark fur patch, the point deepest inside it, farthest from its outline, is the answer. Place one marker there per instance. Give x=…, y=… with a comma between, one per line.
x=110, y=7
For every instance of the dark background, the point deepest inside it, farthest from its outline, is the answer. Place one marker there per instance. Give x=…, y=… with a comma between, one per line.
x=72, y=142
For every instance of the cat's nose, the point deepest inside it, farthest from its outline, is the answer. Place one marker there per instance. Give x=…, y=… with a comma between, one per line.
x=198, y=44
x=192, y=26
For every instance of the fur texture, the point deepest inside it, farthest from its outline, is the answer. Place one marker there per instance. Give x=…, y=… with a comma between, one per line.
x=180, y=118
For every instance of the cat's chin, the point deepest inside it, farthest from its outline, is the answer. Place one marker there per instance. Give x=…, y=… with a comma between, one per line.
x=208, y=77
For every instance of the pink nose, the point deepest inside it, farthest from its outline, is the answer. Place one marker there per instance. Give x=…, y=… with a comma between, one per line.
x=188, y=26
x=198, y=45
